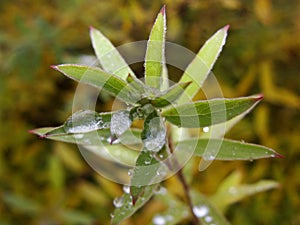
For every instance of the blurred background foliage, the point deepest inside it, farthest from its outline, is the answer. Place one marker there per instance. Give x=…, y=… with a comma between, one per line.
x=44, y=182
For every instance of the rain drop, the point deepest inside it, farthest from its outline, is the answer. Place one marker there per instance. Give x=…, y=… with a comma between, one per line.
x=159, y=220
x=83, y=122
x=126, y=189
x=118, y=202
x=205, y=129
x=200, y=211
x=130, y=172
x=208, y=219
x=78, y=136
x=120, y=122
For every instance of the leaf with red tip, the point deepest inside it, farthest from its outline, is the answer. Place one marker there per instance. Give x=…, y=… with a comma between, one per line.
x=209, y=112
x=155, y=53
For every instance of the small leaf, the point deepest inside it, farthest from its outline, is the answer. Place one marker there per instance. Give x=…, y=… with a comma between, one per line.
x=108, y=55
x=130, y=137
x=202, y=64
x=170, y=95
x=144, y=174
x=231, y=191
x=228, y=149
x=127, y=208
x=135, y=83
x=100, y=79
x=155, y=52
x=22, y=203
x=209, y=112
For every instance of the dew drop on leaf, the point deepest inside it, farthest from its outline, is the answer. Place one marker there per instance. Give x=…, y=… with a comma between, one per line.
x=83, y=122
x=200, y=211
x=159, y=220
x=118, y=202
x=126, y=189
x=156, y=135
x=120, y=122
x=205, y=129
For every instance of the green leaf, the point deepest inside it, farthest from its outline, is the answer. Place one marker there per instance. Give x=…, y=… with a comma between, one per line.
x=170, y=95
x=144, y=174
x=136, y=83
x=231, y=191
x=209, y=112
x=75, y=217
x=100, y=79
x=108, y=55
x=130, y=137
x=127, y=208
x=228, y=149
x=202, y=64
x=22, y=203
x=205, y=210
x=155, y=51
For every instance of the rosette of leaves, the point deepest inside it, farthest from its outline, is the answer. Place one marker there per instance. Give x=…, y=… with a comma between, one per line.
x=164, y=111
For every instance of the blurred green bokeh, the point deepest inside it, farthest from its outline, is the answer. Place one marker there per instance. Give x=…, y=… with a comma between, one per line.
x=44, y=182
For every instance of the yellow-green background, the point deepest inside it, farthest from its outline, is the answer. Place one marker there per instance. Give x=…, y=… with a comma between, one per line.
x=45, y=182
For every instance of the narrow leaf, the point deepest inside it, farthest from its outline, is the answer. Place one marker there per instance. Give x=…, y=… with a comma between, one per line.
x=130, y=137
x=228, y=149
x=108, y=55
x=209, y=112
x=144, y=173
x=126, y=209
x=100, y=79
x=154, y=59
x=136, y=83
x=202, y=64
x=170, y=95
x=229, y=194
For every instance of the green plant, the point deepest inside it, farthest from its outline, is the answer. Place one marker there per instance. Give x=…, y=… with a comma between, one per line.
x=155, y=150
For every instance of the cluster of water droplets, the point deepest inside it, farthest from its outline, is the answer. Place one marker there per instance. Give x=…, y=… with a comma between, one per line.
x=156, y=135
x=85, y=121
x=202, y=212
x=120, y=122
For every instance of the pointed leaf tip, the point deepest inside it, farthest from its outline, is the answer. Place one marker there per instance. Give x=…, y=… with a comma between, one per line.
x=163, y=10
x=54, y=67
x=277, y=155
x=91, y=28
x=259, y=97
x=226, y=28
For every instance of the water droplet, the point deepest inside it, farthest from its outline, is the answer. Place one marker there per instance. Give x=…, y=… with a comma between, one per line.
x=120, y=122
x=159, y=220
x=83, y=122
x=130, y=172
x=200, y=211
x=147, y=161
x=156, y=135
x=208, y=219
x=126, y=189
x=205, y=129
x=161, y=156
x=118, y=201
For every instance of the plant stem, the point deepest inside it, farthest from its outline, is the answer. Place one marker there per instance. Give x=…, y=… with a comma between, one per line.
x=185, y=186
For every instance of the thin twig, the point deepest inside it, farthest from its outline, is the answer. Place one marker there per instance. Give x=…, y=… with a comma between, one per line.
x=184, y=184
